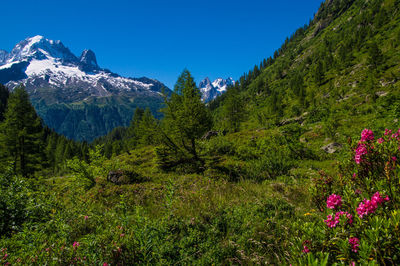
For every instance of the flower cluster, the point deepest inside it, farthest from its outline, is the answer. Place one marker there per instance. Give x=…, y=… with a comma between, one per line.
x=367, y=135
x=334, y=201
x=369, y=206
x=355, y=243
x=305, y=246
x=332, y=221
x=360, y=151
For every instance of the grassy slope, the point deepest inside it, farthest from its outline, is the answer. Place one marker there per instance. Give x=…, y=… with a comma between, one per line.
x=238, y=211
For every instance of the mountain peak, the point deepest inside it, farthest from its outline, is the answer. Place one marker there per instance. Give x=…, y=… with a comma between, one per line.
x=211, y=90
x=205, y=83
x=88, y=59
x=3, y=56
x=38, y=47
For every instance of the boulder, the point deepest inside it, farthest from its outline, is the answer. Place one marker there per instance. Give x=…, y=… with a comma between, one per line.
x=332, y=147
x=122, y=177
x=210, y=134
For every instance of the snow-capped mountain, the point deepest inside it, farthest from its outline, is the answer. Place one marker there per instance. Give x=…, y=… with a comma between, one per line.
x=40, y=63
x=210, y=90
x=53, y=75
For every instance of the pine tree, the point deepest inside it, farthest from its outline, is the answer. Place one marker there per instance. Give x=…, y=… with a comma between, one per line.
x=20, y=134
x=3, y=101
x=233, y=110
x=186, y=120
x=147, y=129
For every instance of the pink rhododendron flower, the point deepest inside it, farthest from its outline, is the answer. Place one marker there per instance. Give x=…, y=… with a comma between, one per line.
x=360, y=151
x=334, y=201
x=369, y=206
x=75, y=245
x=367, y=135
x=306, y=249
x=355, y=243
x=333, y=221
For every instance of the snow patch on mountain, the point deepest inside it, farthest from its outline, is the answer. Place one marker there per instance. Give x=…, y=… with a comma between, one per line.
x=44, y=63
x=210, y=90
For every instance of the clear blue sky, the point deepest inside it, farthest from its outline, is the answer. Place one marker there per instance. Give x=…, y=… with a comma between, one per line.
x=159, y=38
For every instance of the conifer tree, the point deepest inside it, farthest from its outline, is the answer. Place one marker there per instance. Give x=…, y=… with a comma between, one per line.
x=233, y=110
x=186, y=120
x=3, y=100
x=21, y=134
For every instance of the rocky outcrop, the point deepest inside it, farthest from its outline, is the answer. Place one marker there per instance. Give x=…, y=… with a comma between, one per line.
x=332, y=147
x=123, y=177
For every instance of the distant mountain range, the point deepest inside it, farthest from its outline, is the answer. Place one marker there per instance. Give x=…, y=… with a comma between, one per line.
x=210, y=90
x=73, y=95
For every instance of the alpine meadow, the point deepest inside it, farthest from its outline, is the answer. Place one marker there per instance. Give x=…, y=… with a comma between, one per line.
x=297, y=162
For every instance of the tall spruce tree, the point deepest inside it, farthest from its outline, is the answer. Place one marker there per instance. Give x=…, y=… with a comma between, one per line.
x=186, y=119
x=3, y=100
x=21, y=134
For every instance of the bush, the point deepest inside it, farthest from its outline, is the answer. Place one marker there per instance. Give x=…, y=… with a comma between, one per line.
x=361, y=207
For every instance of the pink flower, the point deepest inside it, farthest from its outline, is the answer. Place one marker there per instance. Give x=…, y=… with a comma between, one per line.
x=306, y=249
x=75, y=245
x=354, y=175
x=334, y=201
x=394, y=158
x=369, y=206
x=333, y=221
x=352, y=263
x=355, y=243
x=86, y=217
x=122, y=235
x=367, y=135
x=105, y=264
x=388, y=132
x=380, y=140
x=360, y=151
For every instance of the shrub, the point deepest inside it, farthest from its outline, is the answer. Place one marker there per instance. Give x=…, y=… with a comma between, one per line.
x=361, y=207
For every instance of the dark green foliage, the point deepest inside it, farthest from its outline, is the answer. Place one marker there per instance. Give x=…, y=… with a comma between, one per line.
x=186, y=120
x=3, y=100
x=233, y=111
x=21, y=135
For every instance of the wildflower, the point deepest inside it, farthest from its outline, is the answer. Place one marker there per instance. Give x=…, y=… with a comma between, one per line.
x=369, y=206
x=367, y=135
x=355, y=243
x=306, y=249
x=333, y=221
x=307, y=214
x=388, y=132
x=334, y=201
x=86, y=217
x=122, y=235
x=352, y=263
x=380, y=140
x=394, y=158
x=105, y=264
x=360, y=151
x=354, y=175
x=75, y=245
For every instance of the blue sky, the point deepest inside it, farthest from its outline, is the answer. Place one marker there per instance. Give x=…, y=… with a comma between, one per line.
x=158, y=39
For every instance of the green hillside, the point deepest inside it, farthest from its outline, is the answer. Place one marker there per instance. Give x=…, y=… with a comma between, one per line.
x=298, y=164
